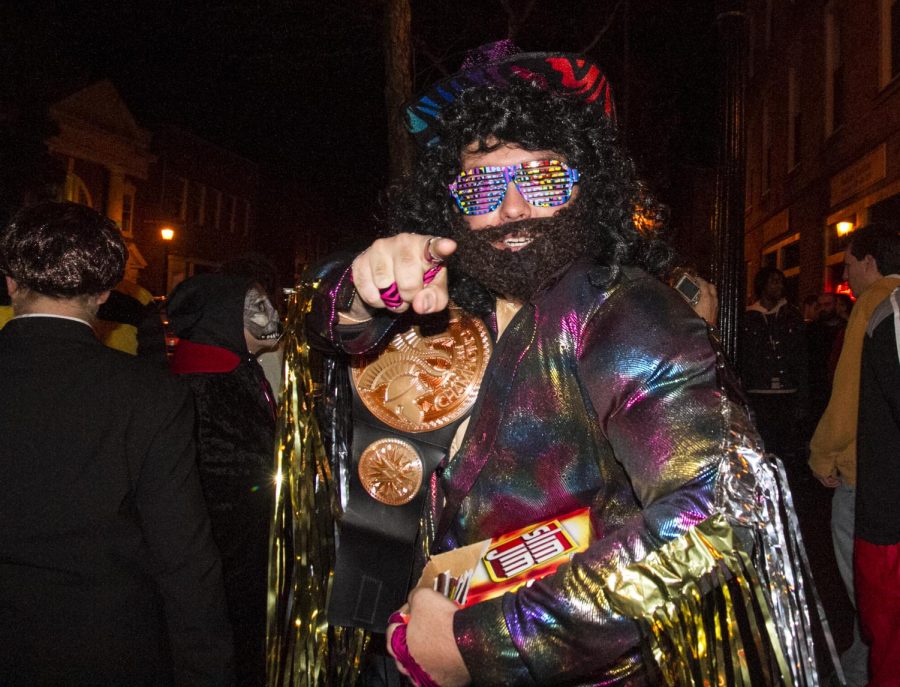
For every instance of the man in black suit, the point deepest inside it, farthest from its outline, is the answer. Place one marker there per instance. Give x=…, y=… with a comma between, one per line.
x=108, y=572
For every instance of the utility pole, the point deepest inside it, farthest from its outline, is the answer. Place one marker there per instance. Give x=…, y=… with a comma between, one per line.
x=626, y=67
x=728, y=217
x=398, y=84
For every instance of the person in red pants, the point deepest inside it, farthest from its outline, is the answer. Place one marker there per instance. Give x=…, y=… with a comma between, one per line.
x=877, y=537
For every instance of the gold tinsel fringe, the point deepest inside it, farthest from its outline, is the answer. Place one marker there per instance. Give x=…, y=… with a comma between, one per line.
x=703, y=609
x=302, y=650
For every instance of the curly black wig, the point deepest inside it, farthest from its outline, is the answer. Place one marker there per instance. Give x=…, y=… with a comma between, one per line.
x=63, y=250
x=609, y=193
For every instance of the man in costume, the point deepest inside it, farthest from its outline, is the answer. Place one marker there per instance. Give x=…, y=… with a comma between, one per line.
x=223, y=321
x=520, y=289
x=108, y=572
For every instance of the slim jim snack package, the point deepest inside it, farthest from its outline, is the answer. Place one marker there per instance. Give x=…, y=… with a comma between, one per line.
x=495, y=566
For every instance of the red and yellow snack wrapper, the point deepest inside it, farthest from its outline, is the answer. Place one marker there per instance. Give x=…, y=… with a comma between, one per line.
x=495, y=566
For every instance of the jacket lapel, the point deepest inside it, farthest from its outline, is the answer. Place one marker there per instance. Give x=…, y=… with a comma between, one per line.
x=477, y=445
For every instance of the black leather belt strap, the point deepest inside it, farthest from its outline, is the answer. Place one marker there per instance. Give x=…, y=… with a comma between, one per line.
x=377, y=542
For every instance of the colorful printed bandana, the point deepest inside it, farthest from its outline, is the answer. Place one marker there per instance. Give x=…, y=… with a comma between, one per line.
x=500, y=64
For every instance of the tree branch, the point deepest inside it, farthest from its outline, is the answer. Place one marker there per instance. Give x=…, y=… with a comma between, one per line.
x=516, y=20
x=606, y=27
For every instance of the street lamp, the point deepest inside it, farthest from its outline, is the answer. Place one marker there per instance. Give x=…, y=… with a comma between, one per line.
x=844, y=228
x=167, y=234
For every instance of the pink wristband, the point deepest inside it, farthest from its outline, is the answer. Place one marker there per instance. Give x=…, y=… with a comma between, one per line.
x=401, y=654
x=398, y=617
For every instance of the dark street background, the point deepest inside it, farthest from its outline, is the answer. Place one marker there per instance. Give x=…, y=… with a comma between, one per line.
x=298, y=87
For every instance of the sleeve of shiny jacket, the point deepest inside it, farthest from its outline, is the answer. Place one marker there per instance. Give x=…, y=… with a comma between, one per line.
x=647, y=368
x=334, y=293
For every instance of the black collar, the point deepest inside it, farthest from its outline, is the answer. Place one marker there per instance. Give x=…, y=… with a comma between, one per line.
x=48, y=325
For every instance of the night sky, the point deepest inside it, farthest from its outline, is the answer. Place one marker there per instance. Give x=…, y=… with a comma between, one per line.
x=298, y=86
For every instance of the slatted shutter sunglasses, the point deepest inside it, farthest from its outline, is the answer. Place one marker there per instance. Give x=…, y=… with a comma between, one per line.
x=543, y=183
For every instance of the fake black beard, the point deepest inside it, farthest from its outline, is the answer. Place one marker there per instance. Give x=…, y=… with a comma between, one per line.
x=556, y=242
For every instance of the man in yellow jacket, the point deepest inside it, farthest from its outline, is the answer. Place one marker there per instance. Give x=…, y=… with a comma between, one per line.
x=130, y=321
x=833, y=446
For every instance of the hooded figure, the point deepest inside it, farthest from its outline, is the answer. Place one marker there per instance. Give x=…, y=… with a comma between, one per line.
x=222, y=321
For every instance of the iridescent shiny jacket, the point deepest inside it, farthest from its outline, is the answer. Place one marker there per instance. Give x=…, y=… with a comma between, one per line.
x=602, y=392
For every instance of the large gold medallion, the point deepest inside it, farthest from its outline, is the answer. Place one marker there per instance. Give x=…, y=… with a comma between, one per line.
x=390, y=470
x=421, y=383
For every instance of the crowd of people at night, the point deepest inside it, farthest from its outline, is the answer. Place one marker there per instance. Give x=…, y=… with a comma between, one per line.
x=505, y=358
x=802, y=374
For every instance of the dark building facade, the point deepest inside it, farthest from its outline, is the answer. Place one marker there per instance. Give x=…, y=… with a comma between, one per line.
x=207, y=196
x=147, y=181
x=107, y=158
x=823, y=133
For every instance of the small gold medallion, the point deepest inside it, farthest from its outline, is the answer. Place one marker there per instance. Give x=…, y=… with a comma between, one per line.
x=390, y=470
x=422, y=383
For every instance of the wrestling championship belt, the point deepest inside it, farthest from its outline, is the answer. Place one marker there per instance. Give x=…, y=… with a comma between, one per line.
x=407, y=405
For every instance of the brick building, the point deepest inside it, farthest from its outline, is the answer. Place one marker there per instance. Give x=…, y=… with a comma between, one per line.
x=822, y=131
x=207, y=195
x=107, y=158
x=149, y=180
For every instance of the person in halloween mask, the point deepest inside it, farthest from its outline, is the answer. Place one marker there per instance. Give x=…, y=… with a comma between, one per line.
x=263, y=272
x=223, y=322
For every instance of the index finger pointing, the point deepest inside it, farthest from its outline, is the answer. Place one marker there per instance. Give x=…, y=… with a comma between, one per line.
x=441, y=248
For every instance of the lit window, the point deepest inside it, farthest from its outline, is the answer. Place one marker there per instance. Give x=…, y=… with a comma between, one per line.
x=181, y=188
x=128, y=210
x=217, y=208
x=834, y=72
x=795, y=120
x=751, y=50
x=200, y=207
x=837, y=238
x=895, y=38
x=767, y=151
x=77, y=191
x=889, y=15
